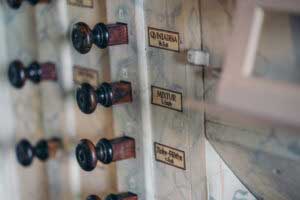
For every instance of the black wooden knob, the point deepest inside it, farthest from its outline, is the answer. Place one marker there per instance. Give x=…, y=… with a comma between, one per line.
x=93, y=197
x=105, y=95
x=17, y=74
x=42, y=150
x=86, y=98
x=83, y=37
x=104, y=151
x=100, y=35
x=86, y=155
x=15, y=4
x=34, y=72
x=24, y=153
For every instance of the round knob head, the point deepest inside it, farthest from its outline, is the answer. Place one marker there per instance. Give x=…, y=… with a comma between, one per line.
x=82, y=37
x=15, y=4
x=42, y=150
x=93, y=197
x=86, y=155
x=24, y=153
x=16, y=74
x=105, y=96
x=34, y=72
x=100, y=35
x=104, y=151
x=86, y=98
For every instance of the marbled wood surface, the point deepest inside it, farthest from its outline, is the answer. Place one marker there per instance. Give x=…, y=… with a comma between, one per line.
x=255, y=154
x=170, y=70
x=221, y=182
x=124, y=62
x=264, y=158
x=145, y=66
x=54, y=43
x=25, y=106
x=41, y=111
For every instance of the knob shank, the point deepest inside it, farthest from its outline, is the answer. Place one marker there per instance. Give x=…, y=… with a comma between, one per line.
x=122, y=148
x=101, y=35
x=34, y=72
x=110, y=94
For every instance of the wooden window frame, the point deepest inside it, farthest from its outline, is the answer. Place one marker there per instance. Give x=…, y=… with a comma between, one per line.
x=239, y=89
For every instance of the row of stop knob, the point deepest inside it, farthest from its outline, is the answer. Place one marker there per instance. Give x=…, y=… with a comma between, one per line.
x=83, y=37
x=88, y=155
x=87, y=96
x=107, y=94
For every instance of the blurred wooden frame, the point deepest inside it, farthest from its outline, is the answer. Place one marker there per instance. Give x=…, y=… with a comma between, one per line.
x=272, y=100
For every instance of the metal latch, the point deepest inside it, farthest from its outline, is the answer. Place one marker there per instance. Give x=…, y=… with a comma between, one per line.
x=198, y=57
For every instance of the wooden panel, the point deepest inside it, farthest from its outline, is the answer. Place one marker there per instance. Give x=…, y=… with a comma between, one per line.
x=62, y=116
x=22, y=108
x=266, y=162
x=145, y=66
x=238, y=86
x=264, y=157
x=170, y=127
x=128, y=118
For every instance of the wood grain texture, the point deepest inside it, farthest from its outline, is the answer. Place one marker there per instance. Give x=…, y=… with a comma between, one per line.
x=165, y=69
x=25, y=105
x=61, y=114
